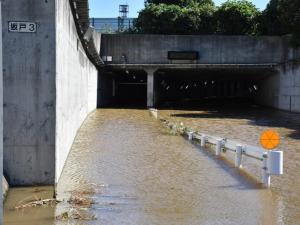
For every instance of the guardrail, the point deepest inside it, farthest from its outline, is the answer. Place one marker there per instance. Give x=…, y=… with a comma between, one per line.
x=271, y=161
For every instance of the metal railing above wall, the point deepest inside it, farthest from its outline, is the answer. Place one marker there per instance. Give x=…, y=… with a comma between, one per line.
x=80, y=11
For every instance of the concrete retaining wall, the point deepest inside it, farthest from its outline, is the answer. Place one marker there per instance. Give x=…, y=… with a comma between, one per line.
x=29, y=94
x=140, y=49
x=76, y=84
x=282, y=90
x=49, y=88
x=289, y=94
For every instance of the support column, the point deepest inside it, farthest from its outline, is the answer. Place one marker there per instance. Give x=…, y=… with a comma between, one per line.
x=150, y=87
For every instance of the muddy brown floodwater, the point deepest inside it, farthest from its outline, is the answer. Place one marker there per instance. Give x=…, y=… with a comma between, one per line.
x=245, y=123
x=30, y=215
x=137, y=173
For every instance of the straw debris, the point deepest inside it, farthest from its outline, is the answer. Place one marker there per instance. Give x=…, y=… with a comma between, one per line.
x=37, y=202
x=80, y=198
x=76, y=214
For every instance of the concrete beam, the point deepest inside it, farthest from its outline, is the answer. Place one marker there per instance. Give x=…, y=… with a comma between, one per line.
x=213, y=49
x=266, y=66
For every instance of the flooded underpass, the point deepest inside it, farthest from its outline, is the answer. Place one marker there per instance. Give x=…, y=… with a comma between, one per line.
x=134, y=171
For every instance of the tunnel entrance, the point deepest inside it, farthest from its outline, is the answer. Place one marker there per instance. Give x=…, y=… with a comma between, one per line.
x=213, y=86
x=131, y=88
x=123, y=88
x=179, y=87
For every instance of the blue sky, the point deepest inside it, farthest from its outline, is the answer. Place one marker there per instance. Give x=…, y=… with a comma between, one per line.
x=110, y=8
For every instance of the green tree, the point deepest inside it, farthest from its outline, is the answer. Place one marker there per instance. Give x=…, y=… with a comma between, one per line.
x=174, y=19
x=289, y=13
x=197, y=19
x=158, y=19
x=167, y=2
x=180, y=2
x=271, y=22
x=282, y=17
x=237, y=17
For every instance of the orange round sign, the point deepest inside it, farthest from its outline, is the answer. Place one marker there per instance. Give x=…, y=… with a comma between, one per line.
x=269, y=139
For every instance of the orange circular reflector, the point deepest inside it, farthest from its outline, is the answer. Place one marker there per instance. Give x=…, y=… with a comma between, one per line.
x=269, y=139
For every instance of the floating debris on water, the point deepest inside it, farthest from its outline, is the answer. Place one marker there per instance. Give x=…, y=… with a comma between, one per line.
x=37, y=202
x=76, y=214
x=80, y=200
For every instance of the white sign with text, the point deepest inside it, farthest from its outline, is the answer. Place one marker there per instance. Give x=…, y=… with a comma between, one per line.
x=22, y=27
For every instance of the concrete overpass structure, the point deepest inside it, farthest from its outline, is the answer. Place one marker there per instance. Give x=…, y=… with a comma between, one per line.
x=233, y=63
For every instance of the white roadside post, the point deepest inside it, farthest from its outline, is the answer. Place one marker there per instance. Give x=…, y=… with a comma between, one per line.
x=238, y=156
x=190, y=135
x=272, y=165
x=275, y=163
x=203, y=140
x=219, y=147
x=154, y=112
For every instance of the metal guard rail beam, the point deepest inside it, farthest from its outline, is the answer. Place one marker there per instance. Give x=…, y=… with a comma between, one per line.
x=272, y=161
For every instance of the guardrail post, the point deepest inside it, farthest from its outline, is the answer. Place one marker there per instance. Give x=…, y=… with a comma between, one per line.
x=154, y=112
x=203, y=140
x=266, y=177
x=190, y=135
x=218, y=147
x=238, y=156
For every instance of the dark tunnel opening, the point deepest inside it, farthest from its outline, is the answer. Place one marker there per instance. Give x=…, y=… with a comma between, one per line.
x=181, y=87
x=188, y=88
x=123, y=88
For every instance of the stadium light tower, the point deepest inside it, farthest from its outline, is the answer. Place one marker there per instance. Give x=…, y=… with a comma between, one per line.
x=124, y=10
x=123, y=14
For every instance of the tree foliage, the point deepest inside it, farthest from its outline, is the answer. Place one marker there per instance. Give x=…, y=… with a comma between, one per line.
x=174, y=19
x=234, y=17
x=282, y=17
x=197, y=17
x=237, y=17
x=180, y=2
x=270, y=22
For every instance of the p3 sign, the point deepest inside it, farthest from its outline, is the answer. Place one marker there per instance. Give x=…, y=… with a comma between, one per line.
x=22, y=27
